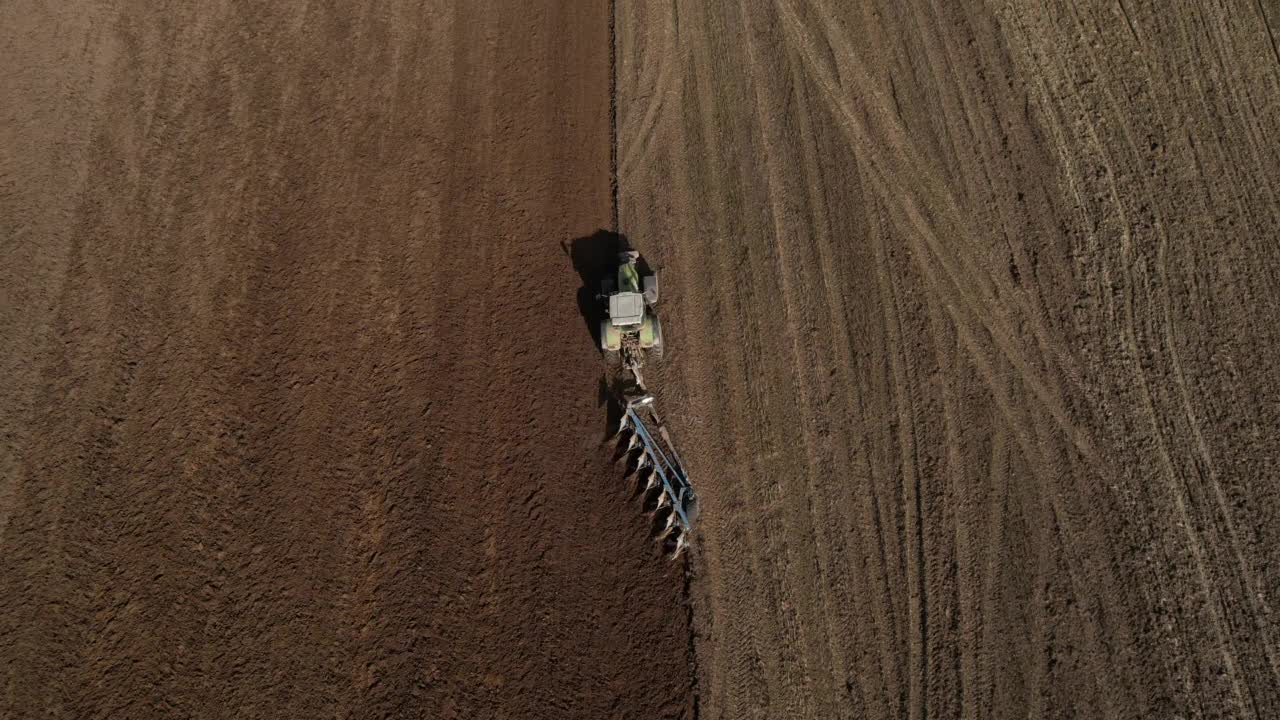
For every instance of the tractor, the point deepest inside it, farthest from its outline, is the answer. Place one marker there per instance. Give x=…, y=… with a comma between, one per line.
x=630, y=329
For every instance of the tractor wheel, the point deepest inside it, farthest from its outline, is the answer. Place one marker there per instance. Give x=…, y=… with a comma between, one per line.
x=691, y=507
x=655, y=350
x=610, y=338
x=611, y=343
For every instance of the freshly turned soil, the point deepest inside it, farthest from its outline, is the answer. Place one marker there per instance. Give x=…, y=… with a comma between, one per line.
x=298, y=414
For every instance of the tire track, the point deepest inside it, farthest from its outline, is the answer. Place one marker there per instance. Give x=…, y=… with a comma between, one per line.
x=793, y=317
x=963, y=405
x=1083, y=445
x=1199, y=544
x=749, y=686
x=842, y=362
x=987, y=313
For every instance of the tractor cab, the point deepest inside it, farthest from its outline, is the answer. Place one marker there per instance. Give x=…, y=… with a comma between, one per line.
x=626, y=309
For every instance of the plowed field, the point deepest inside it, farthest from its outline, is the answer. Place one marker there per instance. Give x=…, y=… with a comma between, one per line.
x=300, y=418
x=972, y=354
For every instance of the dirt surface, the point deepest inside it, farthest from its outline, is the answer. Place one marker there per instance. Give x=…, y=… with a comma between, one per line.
x=298, y=415
x=971, y=309
x=972, y=355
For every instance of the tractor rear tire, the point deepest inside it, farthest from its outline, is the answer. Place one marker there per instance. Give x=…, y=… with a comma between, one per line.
x=655, y=351
x=610, y=339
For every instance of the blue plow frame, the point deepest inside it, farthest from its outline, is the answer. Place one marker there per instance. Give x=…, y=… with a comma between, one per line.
x=666, y=466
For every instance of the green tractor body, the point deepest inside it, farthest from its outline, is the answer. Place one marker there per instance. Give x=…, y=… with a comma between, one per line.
x=631, y=328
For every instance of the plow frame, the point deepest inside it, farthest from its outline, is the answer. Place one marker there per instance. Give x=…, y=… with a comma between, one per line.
x=665, y=461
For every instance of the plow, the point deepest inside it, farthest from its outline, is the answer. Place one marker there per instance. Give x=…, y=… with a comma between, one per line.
x=652, y=457
x=629, y=334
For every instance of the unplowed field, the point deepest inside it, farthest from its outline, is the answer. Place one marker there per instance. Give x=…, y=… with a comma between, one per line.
x=973, y=356
x=973, y=309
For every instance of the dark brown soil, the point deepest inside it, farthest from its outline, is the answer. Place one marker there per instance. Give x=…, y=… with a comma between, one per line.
x=972, y=354
x=299, y=416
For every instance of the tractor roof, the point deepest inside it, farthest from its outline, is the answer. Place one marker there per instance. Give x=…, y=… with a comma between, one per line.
x=626, y=308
